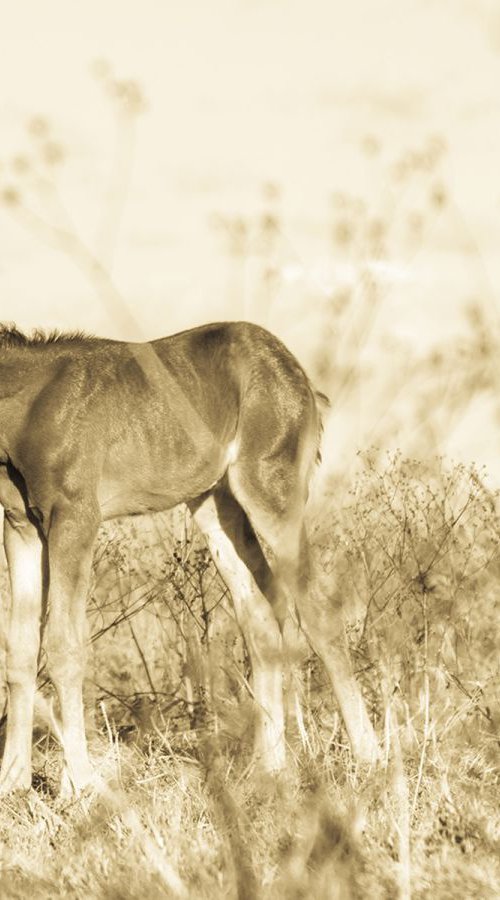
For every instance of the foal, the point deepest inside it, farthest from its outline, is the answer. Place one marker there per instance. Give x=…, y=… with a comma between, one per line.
x=220, y=417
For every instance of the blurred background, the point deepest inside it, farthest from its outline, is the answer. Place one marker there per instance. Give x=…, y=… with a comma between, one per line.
x=328, y=170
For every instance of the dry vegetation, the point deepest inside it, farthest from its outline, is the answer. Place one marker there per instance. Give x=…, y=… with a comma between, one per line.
x=412, y=549
x=414, y=555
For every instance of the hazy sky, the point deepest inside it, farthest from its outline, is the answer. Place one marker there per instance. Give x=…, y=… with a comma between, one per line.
x=240, y=93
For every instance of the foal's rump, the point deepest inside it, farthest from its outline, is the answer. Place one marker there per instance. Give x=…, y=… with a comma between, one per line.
x=236, y=394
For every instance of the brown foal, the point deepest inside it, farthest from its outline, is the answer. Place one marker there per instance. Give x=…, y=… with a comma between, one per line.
x=221, y=418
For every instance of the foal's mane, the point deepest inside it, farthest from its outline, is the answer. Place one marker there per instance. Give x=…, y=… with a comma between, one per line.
x=10, y=336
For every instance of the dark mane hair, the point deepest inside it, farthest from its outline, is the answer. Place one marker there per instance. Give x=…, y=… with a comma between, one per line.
x=10, y=336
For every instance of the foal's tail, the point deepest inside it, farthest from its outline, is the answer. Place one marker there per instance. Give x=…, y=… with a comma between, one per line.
x=310, y=445
x=321, y=400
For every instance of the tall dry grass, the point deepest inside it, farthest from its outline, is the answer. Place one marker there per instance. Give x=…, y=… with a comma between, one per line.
x=414, y=555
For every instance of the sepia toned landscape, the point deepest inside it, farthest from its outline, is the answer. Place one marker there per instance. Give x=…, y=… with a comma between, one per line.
x=329, y=172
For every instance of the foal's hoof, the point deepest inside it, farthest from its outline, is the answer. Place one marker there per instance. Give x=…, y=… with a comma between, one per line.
x=14, y=778
x=74, y=787
x=368, y=754
x=16, y=786
x=365, y=747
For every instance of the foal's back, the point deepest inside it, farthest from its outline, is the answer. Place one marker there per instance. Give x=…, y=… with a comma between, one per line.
x=151, y=425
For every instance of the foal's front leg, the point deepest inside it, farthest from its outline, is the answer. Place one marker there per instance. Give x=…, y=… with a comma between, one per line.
x=70, y=545
x=24, y=552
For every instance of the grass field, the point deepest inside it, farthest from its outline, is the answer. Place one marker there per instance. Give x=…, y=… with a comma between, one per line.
x=413, y=553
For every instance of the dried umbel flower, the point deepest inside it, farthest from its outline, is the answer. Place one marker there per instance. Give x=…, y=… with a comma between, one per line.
x=271, y=191
x=53, y=153
x=20, y=165
x=10, y=196
x=101, y=69
x=370, y=145
x=126, y=92
x=129, y=94
x=438, y=196
x=269, y=224
x=38, y=127
x=376, y=231
x=343, y=231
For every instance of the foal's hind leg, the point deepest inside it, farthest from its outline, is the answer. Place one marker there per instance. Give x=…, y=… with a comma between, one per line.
x=282, y=529
x=324, y=626
x=24, y=550
x=242, y=565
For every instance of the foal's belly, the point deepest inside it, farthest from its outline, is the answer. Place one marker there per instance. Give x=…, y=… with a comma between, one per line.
x=115, y=499
x=152, y=489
